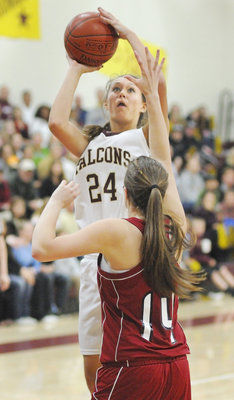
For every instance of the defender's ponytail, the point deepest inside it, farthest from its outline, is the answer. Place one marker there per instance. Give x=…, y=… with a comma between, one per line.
x=163, y=239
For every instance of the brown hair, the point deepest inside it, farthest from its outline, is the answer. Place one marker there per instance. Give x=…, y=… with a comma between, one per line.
x=92, y=131
x=162, y=242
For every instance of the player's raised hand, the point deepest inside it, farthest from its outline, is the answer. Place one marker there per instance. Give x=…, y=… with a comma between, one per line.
x=81, y=67
x=110, y=19
x=65, y=193
x=150, y=72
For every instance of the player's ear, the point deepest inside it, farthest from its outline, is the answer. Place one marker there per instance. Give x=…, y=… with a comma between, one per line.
x=105, y=105
x=143, y=107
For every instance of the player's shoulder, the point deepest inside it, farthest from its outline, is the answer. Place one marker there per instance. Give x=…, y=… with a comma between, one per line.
x=114, y=229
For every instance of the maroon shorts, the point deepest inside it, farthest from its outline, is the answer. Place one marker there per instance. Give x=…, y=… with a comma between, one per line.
x=148, y=381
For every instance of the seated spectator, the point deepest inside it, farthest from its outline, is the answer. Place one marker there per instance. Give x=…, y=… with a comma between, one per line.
x=17, y=215
x=177, y=141
x=17, y=143
x=204, y=122
x=202, y=256
x=6, y=109
x=96, y=116
x=190, y=183
x=175, y=116
x=40, y=124
x=44, y=298
x=12, y=285
x=37, y=150
x=9, y=157
x=79, y=114
x=227, y=179
x=27, y=108
x=192, y=140
x=58, y=287
x=57, y=152
x=211, y=185
x=225, y=226
x=24, y=185
x=207, y=209
x=67, y=221
x=4, y=277
x=49, y=184
x=20, y=126
x=5, y=195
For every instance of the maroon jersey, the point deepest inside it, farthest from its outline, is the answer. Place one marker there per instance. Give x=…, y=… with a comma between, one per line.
x=137, y=323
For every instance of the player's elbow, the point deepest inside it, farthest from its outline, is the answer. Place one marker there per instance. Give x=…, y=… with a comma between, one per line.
x=56, y=126
x=39, y=253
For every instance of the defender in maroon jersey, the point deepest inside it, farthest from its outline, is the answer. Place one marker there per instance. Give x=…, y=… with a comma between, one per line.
x=143, y=348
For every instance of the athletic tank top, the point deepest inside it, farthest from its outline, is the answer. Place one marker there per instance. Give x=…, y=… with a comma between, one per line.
x=137, y=323
x=100, y=172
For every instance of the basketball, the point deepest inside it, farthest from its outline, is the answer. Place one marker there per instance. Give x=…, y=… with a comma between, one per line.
x=89, y=41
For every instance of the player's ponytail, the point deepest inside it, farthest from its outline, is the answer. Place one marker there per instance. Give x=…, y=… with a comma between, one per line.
x=146, y=182
x=92, y=131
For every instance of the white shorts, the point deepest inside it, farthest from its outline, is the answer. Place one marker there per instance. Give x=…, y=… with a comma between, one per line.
x=90, y=329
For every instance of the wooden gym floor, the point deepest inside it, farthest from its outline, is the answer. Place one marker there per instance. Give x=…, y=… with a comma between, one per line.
x=42, y=362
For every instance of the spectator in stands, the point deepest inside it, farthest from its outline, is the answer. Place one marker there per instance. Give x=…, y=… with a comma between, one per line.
x=67, y=221
x=211, y=185
x=202, y=256
x=6, y=109
x=12, y=285
x=177, y=141
x=37, y=285
x=190, y=183
x=175, y=116
x=40, y=124
x=24, y=185
x=27, y=108
x=17, y=143
x=207, y=209
x=20, y=126
x=5, y=194
x=227, y=179
x=192, y=139
x=4, y=277
x=79, y=113
x=96, y=116
x=57, y=152
x=203, y=120
x=17, y=215
x=49, y=184
x=9, y=157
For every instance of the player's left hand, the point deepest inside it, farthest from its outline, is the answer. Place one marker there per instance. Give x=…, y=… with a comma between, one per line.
x=65, y=193
x=150, y=73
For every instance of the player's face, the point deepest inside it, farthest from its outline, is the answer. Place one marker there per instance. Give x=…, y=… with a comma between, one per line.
x=124, y=101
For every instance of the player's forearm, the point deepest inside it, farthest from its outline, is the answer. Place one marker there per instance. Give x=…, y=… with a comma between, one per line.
x=61, y=108
x=162, y=91
x=45, y=229
x=158, y=134
x=135, y=43
x=3, y=257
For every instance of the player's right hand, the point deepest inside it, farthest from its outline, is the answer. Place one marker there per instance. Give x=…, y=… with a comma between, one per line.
x=81, y=68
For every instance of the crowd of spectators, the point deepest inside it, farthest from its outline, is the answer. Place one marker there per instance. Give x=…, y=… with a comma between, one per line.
x=33, y=163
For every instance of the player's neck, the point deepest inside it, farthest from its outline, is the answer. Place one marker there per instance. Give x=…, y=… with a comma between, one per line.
x=118, y=127
x=135, y=213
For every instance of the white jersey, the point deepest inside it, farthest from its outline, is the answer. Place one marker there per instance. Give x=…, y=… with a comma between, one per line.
x=100, y=173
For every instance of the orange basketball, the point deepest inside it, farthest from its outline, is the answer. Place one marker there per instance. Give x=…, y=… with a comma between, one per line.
x=89, y=41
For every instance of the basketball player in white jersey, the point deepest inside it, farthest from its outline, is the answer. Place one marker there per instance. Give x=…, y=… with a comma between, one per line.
x=104, y=154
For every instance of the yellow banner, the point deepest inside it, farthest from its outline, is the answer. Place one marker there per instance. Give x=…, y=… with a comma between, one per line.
x=124, y=61
x=19, y=19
